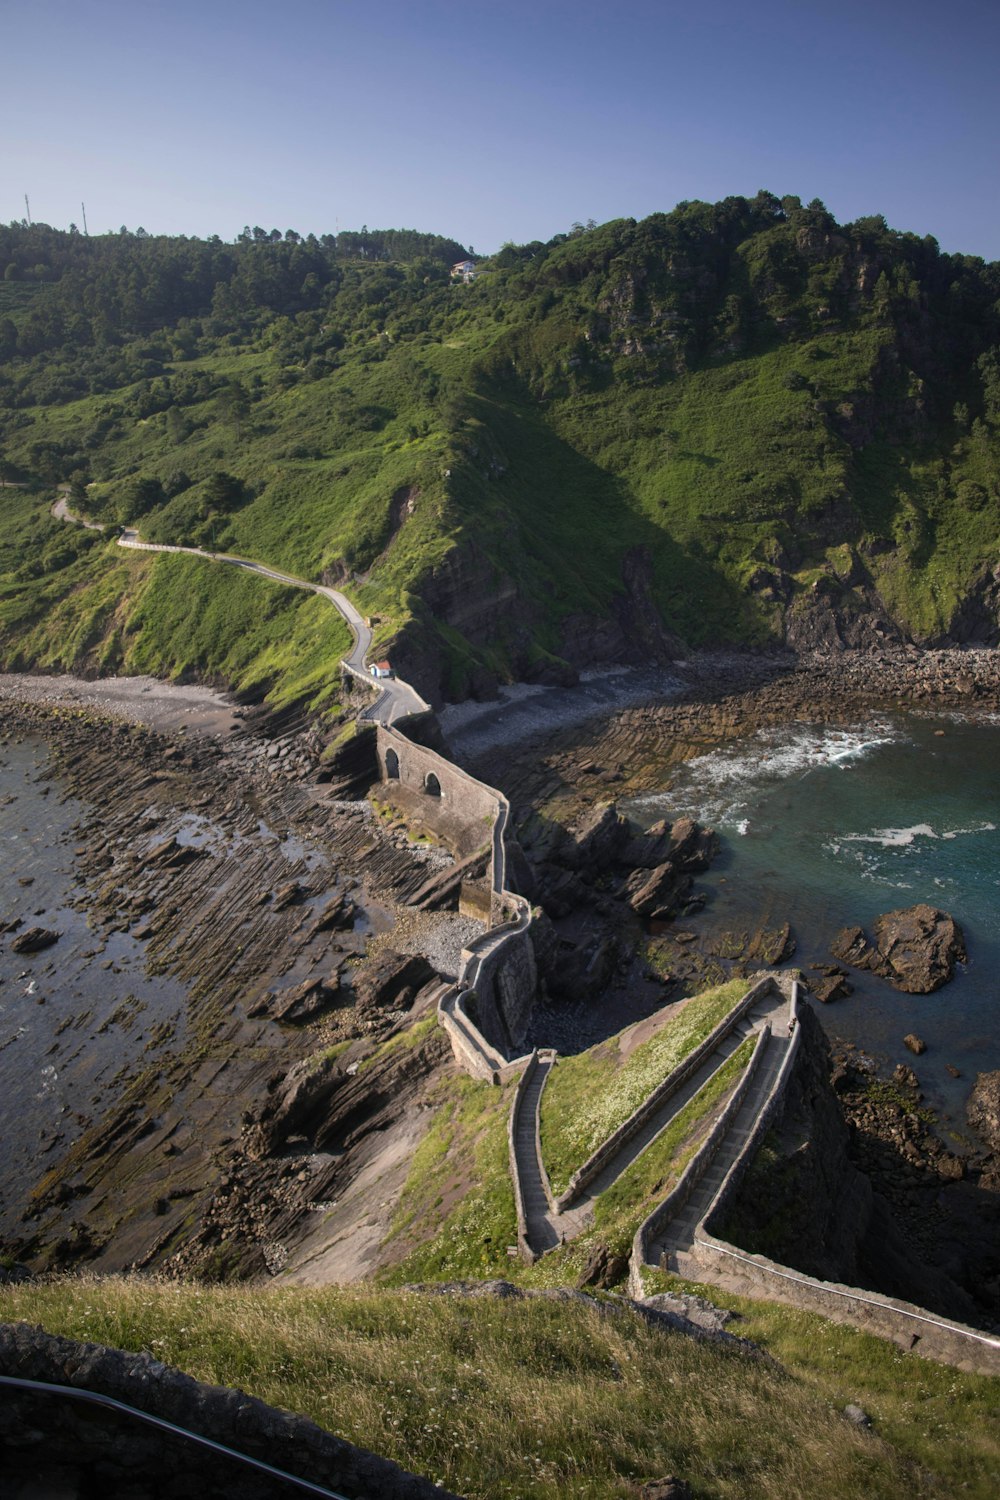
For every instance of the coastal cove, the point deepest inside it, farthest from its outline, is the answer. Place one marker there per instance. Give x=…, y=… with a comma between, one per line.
x=824, y=827
x=841, y=785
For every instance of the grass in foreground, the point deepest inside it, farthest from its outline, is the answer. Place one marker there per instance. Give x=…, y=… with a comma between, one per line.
x=590, y=1095
x=541, y=1398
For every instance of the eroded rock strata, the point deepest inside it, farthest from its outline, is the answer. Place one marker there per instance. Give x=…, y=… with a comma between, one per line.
x=246, y=881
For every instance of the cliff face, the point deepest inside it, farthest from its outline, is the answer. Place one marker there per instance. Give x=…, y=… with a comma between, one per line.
x=804, y=1203
x=844, y=1198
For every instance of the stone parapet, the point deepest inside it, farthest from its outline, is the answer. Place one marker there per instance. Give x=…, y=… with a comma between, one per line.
x=678, y=1196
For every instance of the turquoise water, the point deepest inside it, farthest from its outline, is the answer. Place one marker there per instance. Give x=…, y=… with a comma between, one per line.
x=827, y=827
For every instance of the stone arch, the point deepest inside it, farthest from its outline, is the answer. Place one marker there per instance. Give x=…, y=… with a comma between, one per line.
x=431, y=785
x=392, y=765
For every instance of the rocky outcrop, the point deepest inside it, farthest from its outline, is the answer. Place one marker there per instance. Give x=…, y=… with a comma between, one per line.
x=915, y=948
x=983, y=1108
x=34, y=940
x=391, y=983
x=301, y=1002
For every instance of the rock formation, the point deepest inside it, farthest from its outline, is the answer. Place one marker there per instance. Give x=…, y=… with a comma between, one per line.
x=915, y=948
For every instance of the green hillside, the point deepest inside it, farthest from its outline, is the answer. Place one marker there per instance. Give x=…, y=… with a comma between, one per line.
x=732, y=423
x=557, y=1398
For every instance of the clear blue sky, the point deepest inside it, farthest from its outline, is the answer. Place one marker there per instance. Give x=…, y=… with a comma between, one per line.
x=498, y=121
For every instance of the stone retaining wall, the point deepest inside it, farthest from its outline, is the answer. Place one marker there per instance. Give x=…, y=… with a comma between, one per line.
x=674, y=1080
x=58, y=1445
x=912, y=1327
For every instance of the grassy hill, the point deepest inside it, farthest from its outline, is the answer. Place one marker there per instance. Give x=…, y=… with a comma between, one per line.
x=556, y=1398
x=732, y=423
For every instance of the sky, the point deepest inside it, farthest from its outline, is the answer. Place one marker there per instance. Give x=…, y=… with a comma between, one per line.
x=505, y=121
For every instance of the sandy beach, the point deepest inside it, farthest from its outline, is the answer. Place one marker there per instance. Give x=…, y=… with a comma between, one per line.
x=165, y=706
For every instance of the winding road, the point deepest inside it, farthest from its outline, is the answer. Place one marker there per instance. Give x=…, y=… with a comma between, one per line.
x=396, y=699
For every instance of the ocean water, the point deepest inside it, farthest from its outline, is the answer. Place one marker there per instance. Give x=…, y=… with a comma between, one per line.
x=74, y=1014
x=825, y=827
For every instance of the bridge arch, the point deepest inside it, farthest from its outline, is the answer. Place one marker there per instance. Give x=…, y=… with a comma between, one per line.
x=431, y=785
x=391, y=765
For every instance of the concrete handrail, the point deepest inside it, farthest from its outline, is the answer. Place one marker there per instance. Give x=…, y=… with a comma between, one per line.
x=150, y=1419
x=674, y=1080
x=696, y=1168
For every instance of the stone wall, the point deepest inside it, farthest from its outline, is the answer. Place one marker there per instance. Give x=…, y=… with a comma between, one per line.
x=442, y=783
x=504, y=980
x=498, y=968
x=913, y=1328
x=53, y=1444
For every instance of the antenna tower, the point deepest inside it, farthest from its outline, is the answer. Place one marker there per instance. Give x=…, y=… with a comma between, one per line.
x=83, y=210
x=27, y=209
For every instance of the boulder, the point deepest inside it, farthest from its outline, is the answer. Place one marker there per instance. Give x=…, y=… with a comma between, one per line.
x=392, y=982
x=983, y=1108
x=670, y=1488
x=34, y=940
x=599, y=840
x=915, y=948
x=831, y=987
x=919, y=946
x=852, y=947
x=916, y=1044
x=660, y=893
x=691, y=846
x=604, y=1269
x=644, y=851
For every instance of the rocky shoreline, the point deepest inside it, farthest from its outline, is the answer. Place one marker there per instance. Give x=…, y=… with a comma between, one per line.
x=268, y=917
x=271, y=902
x=727, y=696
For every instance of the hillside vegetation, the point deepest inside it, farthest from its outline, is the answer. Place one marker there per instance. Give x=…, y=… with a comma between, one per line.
x=556, y=1398
x=731, y=423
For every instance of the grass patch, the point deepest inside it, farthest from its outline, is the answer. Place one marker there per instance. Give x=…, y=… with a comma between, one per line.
x=548, y=1399
x=945, y=1419
x=619, y=1211
x=456, y=1213
x=590, y=1095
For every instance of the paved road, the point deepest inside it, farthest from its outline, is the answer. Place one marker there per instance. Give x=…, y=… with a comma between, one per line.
x=395, y=698
x=62, y=512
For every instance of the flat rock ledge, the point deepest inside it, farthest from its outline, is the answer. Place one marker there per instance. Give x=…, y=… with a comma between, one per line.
x=59, y=1444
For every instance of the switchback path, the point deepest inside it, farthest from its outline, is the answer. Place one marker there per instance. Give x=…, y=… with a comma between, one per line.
x=548, y=1227
x=673, y=1246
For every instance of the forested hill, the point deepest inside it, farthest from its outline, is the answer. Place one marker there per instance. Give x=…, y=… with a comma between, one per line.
x=738, y=422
